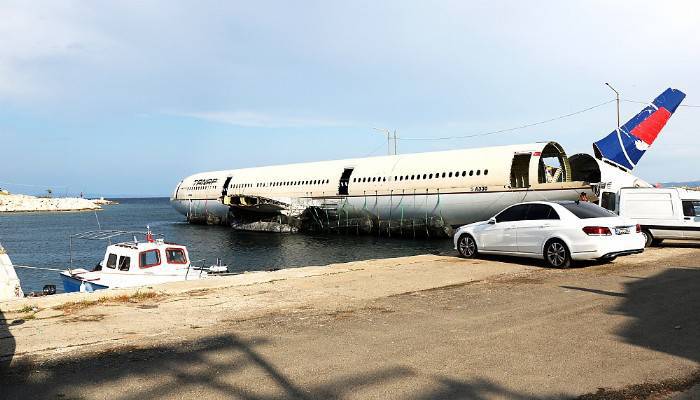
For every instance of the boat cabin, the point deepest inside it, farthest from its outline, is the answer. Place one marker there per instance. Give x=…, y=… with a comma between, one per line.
x=129, y=264
x=141, y=256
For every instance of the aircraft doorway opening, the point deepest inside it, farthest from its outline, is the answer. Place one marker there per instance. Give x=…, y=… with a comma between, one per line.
x=520, y=171
x=553, y=165
x=224, y=190
x=343, y=185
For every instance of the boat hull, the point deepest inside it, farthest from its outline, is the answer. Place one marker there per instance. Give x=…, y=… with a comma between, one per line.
x=73, y=284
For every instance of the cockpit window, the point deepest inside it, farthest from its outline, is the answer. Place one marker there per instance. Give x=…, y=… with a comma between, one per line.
x=124, y=263
x=176, y=256
x=112, y=261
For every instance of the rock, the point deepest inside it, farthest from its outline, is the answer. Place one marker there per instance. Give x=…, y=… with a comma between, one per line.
x=24, y=203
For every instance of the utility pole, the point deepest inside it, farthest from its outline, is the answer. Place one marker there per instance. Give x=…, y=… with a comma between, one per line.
x=396, y=141
x=389, y=138
x=617, y=98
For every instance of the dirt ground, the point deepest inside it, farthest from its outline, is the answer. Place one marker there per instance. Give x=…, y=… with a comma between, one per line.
x=425, y=327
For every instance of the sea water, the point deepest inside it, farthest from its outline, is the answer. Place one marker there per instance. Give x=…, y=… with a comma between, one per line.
x=42, y=240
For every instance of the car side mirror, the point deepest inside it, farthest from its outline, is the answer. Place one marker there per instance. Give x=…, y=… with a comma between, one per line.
x=492, y=221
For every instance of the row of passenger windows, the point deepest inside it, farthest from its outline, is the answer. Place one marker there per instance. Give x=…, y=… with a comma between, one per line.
x=285, y=183
x=439, y=175
x=397, y=178
x=199, y=187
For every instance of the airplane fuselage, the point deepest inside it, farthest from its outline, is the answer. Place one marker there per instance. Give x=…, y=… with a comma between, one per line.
x=449, y=188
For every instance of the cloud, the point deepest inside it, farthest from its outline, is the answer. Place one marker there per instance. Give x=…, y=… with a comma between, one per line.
x=34, y=37
x=263, y=120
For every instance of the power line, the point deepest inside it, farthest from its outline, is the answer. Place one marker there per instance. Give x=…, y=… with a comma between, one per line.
x=28, y=185
x=646, y=102
x=375, y=150
x=514, y=128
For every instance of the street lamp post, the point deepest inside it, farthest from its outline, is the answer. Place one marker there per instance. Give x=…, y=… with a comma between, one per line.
x=617, y=98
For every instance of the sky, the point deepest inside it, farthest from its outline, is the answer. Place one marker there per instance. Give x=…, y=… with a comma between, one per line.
x=128, y=97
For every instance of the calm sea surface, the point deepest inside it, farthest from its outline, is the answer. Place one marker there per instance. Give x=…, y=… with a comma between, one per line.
x=41, y=240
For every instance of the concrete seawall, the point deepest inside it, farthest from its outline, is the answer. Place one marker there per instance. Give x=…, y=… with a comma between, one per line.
x=419, y=327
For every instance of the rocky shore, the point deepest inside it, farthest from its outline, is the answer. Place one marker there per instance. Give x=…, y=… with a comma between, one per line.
x=24, y=203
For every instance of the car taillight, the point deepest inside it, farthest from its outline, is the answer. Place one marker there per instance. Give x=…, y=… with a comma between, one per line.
x=639, y=228
x=597, y=231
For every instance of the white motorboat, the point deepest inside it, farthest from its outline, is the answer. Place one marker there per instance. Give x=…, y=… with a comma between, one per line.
x=134, y=263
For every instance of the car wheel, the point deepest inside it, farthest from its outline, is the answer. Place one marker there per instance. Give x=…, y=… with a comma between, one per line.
x=556, y=254
x=656, y=242
x=466, y=246
x=648, y=238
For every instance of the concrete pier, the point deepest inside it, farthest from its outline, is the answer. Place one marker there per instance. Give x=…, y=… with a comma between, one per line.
x=419, y=327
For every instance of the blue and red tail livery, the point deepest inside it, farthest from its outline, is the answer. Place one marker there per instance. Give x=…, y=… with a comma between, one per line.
x=626, y=145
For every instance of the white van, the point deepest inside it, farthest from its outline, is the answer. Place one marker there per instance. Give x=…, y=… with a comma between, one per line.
x=663, y=213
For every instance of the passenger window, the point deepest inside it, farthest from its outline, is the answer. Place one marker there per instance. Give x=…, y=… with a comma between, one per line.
x=515, y=213
x=541, y=211
x=150, y=258
x=688, y=209
x=176, y=256
x=112, y=261
x=608, y=201
x=124, y=263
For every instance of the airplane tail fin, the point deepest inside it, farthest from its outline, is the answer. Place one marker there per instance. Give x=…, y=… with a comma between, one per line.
x=626, y=145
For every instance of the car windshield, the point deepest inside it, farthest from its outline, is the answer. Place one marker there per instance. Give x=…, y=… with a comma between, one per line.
x=585, y=210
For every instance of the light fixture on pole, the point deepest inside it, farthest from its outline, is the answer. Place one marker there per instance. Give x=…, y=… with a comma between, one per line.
x=617, y=98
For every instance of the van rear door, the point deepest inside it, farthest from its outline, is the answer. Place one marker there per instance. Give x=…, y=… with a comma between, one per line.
x=656, y=209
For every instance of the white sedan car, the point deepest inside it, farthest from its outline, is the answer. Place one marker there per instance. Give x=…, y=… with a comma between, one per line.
x=558, y=232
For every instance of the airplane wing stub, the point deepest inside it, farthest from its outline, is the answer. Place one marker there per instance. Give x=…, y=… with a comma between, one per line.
x=626, y=146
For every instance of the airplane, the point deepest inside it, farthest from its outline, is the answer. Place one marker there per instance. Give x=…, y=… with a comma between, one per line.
x=431, y=192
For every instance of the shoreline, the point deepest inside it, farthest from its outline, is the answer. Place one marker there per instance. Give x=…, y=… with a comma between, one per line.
x=440, y=320
x=69, y=210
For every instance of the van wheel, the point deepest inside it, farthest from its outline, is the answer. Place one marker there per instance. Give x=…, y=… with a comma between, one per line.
x=648, y=238
x=556, y=255
x=466, y=246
